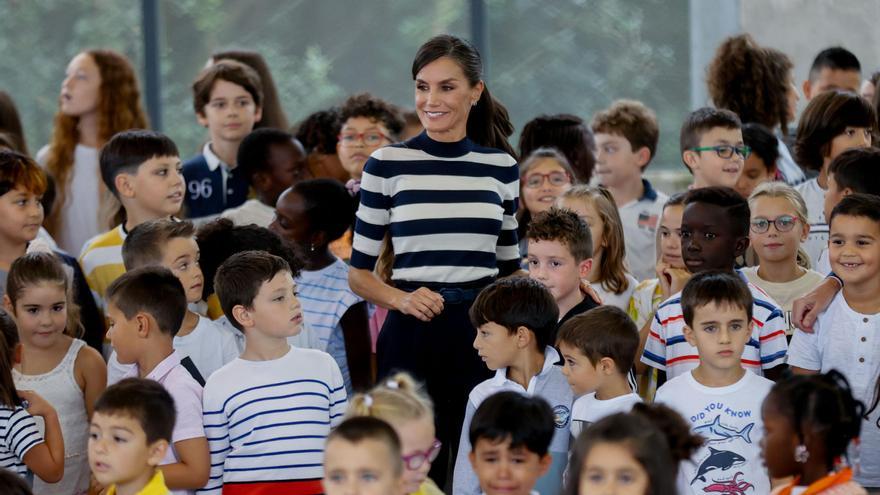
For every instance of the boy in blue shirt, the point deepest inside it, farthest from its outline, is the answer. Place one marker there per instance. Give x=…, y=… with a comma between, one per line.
x=227, y=98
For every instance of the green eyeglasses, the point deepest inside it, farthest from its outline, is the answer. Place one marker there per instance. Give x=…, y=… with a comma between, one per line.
x=726, y=151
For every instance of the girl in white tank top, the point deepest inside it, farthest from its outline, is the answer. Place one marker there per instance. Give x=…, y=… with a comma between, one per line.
x=62, y=369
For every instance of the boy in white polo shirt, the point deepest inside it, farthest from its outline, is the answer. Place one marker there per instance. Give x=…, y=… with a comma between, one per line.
x=714, y=232
x=847, y=335
x=720, y=400
x=515, y=319
x=626, y=140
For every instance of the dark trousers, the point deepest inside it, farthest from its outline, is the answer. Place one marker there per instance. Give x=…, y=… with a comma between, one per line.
x=439, y=353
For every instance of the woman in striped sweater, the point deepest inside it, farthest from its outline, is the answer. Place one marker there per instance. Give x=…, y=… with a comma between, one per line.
x=448, y=199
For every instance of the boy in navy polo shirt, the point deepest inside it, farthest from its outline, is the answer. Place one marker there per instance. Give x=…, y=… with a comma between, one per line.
x=227, y=98
x=626, y=140
x=515, y=319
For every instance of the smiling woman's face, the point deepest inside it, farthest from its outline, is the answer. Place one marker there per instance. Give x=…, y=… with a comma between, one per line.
x=444, y=98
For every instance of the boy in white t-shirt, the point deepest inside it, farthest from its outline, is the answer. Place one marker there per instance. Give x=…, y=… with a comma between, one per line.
x=626, y=140
x=171, y=244
x=718, y=397
x=845, y=336
x=598, y=348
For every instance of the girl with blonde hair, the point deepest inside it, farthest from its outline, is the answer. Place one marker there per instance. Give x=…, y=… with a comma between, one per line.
x=400, y=402
x=779, y=224
x=609, y=276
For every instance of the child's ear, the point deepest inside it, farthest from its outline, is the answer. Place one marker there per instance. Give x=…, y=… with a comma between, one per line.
x=123, y=185
x=523, y=336
x=243, y=316
x=689, y=335
x=318, y=239
x=607, y=365
x=260, y=181
x=806, y=87
x=145, y=324
x=473, y=458
x=202, y=119
x=258, y=114
x=806, y=229
x=690, y=159
x=156, y=452
x=740, y=246
x=7, y=304
x=643, y=155
x=585, y=267
x=545, y=462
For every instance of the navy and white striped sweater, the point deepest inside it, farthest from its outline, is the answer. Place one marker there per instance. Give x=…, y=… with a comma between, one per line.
x=450, y=209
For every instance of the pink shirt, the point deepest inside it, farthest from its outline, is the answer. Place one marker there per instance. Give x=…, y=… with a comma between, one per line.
x=187, y=395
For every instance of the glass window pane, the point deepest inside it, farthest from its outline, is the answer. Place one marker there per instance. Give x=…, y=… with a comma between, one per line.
x=318, y=52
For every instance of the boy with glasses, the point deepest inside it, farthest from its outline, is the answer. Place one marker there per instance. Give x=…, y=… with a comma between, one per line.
x=712, y=147
x=368, y=123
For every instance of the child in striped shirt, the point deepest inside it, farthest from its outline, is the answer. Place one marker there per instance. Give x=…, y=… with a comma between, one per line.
x=309, y=216
x=268, y=412
x=714, y=232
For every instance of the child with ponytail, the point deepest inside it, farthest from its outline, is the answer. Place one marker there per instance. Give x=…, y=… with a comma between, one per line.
x=810, y=422
x=400, y=402
x=634, y=453
x=53, y=362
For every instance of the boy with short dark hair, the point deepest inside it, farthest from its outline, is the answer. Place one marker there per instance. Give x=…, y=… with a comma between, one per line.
x=845, y=334
x=511, y=434
x=626, y=141
x=129, y=435
x=598, y=349
x=718, y=397
x=271, y=160
x=142, y=169
x=172, y=244
x=834, y=68
x=854, y=171
x=145, y=307
x=227, y=99
x=560, y=255
x=712, y=147
x=515, y=318
x=714, y=232
x=269, y=411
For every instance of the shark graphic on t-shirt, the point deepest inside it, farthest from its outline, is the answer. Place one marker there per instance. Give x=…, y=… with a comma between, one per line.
x=717, y=432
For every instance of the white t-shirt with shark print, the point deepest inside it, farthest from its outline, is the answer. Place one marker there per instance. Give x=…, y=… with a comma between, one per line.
x=730, y=420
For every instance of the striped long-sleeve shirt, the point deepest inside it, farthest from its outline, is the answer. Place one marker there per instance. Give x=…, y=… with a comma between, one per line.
x=450, y=209
x=266, y=422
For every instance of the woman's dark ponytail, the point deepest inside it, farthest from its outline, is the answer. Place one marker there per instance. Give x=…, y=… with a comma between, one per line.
x=488, y=122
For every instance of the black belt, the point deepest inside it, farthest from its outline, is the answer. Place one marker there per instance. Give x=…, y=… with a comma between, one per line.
x=452, y=293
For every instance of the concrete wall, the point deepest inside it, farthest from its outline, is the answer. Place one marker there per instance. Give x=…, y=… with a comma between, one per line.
x=802, y=28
